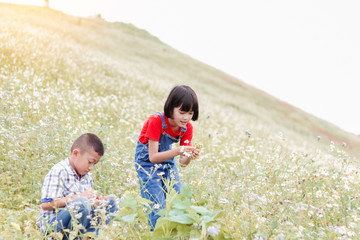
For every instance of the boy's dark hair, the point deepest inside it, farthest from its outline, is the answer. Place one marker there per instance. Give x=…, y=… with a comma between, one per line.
x=87, y=141
x=182, y=96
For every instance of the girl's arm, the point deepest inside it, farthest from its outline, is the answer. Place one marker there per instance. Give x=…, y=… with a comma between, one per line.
x=156, y=157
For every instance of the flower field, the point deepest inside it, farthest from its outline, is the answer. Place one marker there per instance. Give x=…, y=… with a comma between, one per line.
x=266, y=170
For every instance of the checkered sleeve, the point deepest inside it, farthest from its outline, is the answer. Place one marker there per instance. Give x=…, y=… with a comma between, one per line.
x=53, y=185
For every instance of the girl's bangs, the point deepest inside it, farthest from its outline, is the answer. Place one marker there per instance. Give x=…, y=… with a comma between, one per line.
x=187, y=104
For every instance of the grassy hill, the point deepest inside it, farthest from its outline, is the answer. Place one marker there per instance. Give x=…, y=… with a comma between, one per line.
x=262, y=166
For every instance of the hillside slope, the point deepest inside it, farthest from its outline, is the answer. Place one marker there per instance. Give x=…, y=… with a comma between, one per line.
x=262, y=169
x=135, y=50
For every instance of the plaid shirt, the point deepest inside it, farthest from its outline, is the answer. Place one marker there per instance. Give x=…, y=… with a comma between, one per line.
x=61, y=181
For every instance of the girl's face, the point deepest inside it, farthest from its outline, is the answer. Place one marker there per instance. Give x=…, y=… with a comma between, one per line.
x=181, y=118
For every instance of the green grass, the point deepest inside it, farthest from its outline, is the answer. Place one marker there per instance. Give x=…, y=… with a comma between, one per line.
x=262, y=168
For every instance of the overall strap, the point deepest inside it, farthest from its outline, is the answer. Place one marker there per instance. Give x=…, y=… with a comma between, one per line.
x=183, y=129
x=164, y=126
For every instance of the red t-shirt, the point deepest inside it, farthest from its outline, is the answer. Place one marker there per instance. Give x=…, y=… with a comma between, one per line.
x=152, y=129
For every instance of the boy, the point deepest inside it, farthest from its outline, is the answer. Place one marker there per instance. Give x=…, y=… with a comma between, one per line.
x=68, y=200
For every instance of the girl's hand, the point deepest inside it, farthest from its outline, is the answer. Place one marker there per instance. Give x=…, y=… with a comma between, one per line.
x=189, y=154
x=195, y=153
x=186, y=151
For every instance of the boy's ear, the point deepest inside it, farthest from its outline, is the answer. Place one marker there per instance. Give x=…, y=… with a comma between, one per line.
x=75, y=152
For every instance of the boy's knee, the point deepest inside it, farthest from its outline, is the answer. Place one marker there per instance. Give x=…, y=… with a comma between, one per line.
x=112, y=196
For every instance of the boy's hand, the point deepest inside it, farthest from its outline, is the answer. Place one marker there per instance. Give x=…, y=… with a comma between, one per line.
x=90, y=194
x=102, y=198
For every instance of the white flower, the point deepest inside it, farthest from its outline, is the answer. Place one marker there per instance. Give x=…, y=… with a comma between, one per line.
x=214, y=230
x=281, y=236
x=350, y=233
x=187, y=154
x=318, y=194
x=223, y=201
x=79, y=215
x=341, y=230
x=310, y=213
x=352, y=225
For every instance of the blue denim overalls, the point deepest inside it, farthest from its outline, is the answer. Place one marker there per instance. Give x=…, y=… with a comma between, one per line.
x=152, y=176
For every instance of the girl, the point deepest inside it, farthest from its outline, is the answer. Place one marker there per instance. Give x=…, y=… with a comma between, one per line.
x=154, y=156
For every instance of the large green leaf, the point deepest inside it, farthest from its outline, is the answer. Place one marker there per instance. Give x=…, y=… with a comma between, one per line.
x=182, y=218
x=174, y=212
x=210, y=217
x=201, y=210
x=180, y=204
x=206, y=219
x=129, y=218
x=130, y=201
x=193, y=214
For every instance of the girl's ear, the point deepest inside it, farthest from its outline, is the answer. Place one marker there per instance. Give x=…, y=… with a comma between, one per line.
x=172, y=113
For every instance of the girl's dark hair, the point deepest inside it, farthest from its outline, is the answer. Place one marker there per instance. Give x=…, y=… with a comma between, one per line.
x=182, y=96
x=87, y=141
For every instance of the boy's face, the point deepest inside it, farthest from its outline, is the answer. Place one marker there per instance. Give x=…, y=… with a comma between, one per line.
x=84, y=161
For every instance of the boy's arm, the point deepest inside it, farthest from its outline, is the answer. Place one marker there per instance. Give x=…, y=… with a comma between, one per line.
x=62, y=202
x=58, y=203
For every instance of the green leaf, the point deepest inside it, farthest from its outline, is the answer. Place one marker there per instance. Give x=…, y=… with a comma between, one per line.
x=206, y=219
x=129, y=218
x=174, y=212
x=164, y=227
x=162, y=212
x=193, y=214
x=201, y=210
x=186, y=191
x=129, y=202
x=182, y=218
x=214, y=214
x=210, y=217
x=179, y=204
x=183, y=230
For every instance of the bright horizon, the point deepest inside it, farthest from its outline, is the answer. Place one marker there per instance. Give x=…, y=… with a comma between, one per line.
x=304, y=53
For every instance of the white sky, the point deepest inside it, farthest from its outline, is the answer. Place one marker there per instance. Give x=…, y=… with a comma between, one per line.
x=306, y=53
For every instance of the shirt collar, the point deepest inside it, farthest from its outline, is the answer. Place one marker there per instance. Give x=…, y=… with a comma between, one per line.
x=70, y=169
